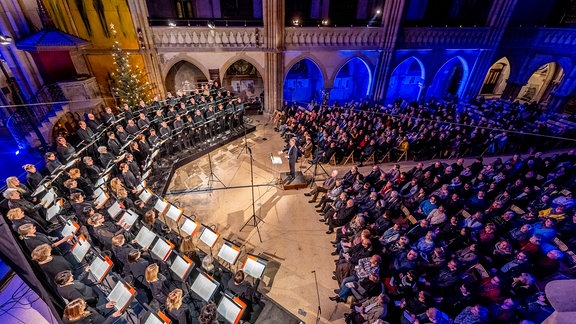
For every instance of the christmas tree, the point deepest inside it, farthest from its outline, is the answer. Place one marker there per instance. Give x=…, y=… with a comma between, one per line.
x=129, y=85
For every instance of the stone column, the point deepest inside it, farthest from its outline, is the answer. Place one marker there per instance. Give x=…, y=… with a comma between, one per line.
x=391, y=20
x=557, y=102
x=273, y=46
x=139, y=12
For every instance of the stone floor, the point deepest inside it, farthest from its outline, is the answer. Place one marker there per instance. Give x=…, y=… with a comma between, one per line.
x=292, y=239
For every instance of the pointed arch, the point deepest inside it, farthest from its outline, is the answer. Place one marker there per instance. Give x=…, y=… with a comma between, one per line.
x=184, y=75
x=303, y=81
x=353, y=81
x=450, y=79
x=541, y=83
x=407, y=80
x=495, y=79
x=244, y=79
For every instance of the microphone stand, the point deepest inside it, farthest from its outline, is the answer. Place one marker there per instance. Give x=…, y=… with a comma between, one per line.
x=253, y=220
x=319, y=311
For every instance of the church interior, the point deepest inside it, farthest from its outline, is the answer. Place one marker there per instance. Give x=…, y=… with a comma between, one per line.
x=288, y=161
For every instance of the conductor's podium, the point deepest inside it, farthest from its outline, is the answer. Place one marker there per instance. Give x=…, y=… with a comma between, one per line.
x=298, y=182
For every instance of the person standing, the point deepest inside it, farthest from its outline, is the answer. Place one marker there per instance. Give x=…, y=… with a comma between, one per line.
x=292, y=157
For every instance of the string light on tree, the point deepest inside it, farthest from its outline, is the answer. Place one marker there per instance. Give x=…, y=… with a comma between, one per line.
x=129, y=85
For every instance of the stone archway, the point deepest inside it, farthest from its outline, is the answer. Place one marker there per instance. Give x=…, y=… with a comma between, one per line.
x=450, y=79
x=245, y=81
x=185, y=76
x=407, y=80
x=303, y=82
x=352, y=82
x=541, y=83
x=495, y=80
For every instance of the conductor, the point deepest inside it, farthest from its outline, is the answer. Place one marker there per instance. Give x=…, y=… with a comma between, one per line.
x=292, y=157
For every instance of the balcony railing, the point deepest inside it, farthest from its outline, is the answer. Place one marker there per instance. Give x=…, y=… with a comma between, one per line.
x=181, y=38
x=334, y=38
x=442, y=37
x=555, y=39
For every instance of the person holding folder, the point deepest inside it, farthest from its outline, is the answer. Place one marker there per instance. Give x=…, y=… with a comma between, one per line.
x=78, y=312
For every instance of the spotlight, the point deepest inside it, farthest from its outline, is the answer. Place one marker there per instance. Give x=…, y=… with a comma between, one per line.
x=5, y=40
x=325, y=22
x=211, y=24
x=171, y=24
x=378, y=11
x=17, y=152
x=295, y=22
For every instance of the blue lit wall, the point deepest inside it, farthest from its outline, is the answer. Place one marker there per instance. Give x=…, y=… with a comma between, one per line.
x=352, y=82
x=303, y=82
x=449, y=80
x=406, y=80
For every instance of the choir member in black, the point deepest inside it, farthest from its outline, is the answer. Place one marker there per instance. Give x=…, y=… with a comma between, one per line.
x=134, y=168
x=190, y=130
x=50, y=264
x=153, y=139
x=121, y=134
x=143, y=144
x=181, y=139
x=158, y=118
x=132, y=128
x=170, y=100
x=209, y=114
x=79, y=204
x=171, y=112
x=230, y=115
x=15, y=201
x=65, y=150
x=121, y=249
x=33, y=177
x=114, y=144
x=128, y=114
x=128, y=178
x=93, y=123
x=177, y=310
x=239, y=112
x=139, y=156
x=84, y=133
x=52, y=163
x=103, y=231
x=71, y=289
x=192, y=105
x=200, y=124
x=108, y=116
x=18, y=218
x=123, y=199
x=151, y=222
x=165, y=133
x=155, y=105
x=77, y=312
x=28, y=233
x=143, y=108
x=91, y=170
x=106, y=158
x=84, y=184
x=182, y=109
x=157, y=284
x=72, y=186
x=14, y=183
x=137, y=266
x=221, y=118
x=143, y=121
x=188, y=249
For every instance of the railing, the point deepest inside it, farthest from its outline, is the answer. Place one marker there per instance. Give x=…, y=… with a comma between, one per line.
x=335, y=38
x=442, y=37
x=41, y=106
x=556, y=39
x=204, y=37
x=204, y=22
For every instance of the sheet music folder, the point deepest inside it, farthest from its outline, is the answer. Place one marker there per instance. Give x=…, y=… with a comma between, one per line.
x=174, y=213
x=155, y=318
x=204, y=286
x=254, y=266
x=276, y=159
x=231, y=308
x=190, y=227
x=162, y=249
x=145, y=237
x=208, y=236
x=122, y=294
x=99, y=267
x=181, y=266
x=229, y=252
x=70, y=228
x=80, y=248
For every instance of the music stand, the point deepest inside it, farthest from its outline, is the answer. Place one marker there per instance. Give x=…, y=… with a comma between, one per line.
x=231, y=308
x=204, y=286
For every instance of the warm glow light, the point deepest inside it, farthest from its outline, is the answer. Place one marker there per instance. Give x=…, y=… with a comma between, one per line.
x=378, y=11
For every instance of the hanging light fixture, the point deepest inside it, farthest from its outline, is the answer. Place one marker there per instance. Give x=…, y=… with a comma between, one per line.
x=5, y=40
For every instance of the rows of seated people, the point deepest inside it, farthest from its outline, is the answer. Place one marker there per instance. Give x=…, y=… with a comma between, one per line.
x=473, y=243
x=125, y=155
x=432, y=130
x=466, y=242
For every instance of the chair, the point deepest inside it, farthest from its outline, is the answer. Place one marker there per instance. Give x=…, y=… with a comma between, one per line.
x=385, y=157
x=370, y=159
x=348, y=158
x=332, y=160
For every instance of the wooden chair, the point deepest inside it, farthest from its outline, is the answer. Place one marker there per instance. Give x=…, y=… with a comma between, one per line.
x=349, y=158
x=332, y=160
x=370, y=159
x=385, y=157
x=403, y=155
